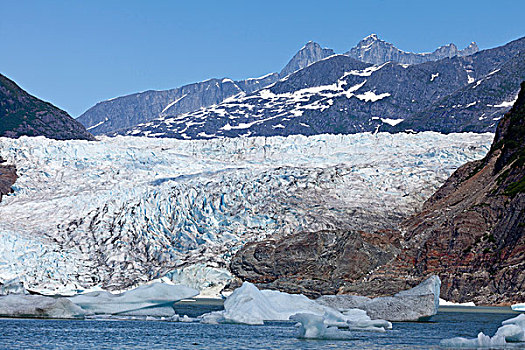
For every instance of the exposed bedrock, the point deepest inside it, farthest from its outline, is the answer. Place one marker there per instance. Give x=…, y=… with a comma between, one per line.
x=314, y=263
x=7, y=177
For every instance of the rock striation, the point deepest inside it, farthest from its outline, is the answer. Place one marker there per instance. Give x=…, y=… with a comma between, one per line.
x=23, y=114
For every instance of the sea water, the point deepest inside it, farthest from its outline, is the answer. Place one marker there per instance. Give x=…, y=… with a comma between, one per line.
x=118, y=334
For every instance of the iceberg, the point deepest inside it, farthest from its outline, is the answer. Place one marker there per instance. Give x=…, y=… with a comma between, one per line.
x=38, y=306
x=518, y=307
x=511, y=331
x=249, y=305
x=414, y=304
x=154, y=299
x=313, y=327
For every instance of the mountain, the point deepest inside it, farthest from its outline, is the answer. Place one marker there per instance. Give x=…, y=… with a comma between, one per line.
x=310, y=53
x=126, y=111
x=471, y=232
x=340, y=95
x=376, y=51
x=23, y=114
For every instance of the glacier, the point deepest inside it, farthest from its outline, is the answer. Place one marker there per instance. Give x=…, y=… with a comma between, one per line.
x=122, y=211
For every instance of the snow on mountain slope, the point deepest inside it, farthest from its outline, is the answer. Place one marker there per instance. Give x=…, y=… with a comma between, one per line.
x=125, y=210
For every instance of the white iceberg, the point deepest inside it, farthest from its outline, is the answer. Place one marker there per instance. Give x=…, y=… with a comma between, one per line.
x=413, y=304
x=518, y=307
x=154, y=299
x=249, y=305
x=313, y=327
x=511, y=331
x=21, y=305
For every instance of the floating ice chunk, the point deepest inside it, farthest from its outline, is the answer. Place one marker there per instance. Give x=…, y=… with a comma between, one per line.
x=20, y=305
x=518, y=307
x=511, y=331
x=313, y=327
x=482, y=341
x=414, y=304
x=155, y=299
x=249, y=305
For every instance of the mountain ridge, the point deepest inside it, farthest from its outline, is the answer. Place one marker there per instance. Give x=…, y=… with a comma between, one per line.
x=127, y=111
x=24, y=114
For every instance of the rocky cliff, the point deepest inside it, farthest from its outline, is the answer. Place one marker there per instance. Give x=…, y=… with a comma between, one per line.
x=470, y=233
x=7, y=177
x=23, y=114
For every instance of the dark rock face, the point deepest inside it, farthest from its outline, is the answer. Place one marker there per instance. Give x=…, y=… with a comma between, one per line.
x=7, y=177
x=310, y=53
x=472, y=231
x=340, y=95
x=314, y=263
x=376, y=51
x=23, y=114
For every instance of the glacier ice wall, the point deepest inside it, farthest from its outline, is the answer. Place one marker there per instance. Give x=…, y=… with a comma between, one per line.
x=125, y=210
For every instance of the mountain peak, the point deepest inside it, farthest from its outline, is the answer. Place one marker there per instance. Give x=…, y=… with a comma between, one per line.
x=310, y=53
x=376, y=51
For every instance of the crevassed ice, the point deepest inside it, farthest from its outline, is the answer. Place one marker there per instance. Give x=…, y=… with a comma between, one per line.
x=126, y=210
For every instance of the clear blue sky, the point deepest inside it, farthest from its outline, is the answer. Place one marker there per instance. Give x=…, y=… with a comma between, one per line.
x=75, y=53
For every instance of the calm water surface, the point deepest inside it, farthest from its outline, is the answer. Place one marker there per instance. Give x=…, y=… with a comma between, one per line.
x=105, y=334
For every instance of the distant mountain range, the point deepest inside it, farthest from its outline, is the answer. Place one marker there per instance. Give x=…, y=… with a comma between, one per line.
x=131, y=114
x=374, y=50
x=23, y=114
x=341, y=95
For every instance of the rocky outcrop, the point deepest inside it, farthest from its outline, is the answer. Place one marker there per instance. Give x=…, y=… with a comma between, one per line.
x=374, y=50
x=314, y=263
x=310, y=53
x=7, y=178
x=23, y=114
